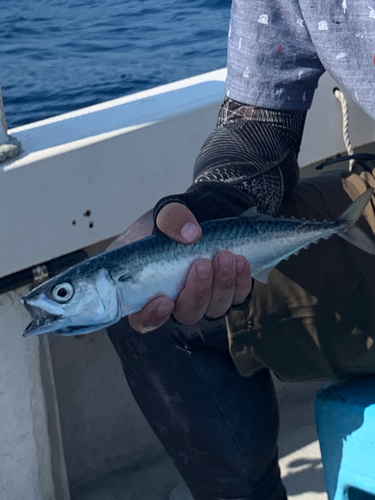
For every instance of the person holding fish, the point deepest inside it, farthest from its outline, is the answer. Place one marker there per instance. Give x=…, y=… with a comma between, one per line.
x=206, y=388
x=199, y=364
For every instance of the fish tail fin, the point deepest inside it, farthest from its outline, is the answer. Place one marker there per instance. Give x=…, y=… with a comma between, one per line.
x=350, y=231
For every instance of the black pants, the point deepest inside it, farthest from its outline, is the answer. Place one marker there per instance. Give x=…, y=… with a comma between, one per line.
x=219, y=428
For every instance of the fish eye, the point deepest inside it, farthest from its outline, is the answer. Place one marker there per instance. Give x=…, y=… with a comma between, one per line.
x=63, y=292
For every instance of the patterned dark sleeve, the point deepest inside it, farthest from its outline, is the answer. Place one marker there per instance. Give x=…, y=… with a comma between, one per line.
x=250, y=159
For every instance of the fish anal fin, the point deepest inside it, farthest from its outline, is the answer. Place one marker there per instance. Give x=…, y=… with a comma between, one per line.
x=263, y=274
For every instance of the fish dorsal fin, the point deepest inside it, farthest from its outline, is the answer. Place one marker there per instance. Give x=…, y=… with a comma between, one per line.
x=263, y=275
x=252, y=213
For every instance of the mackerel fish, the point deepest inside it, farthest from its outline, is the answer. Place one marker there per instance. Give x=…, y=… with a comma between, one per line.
x=99, y=291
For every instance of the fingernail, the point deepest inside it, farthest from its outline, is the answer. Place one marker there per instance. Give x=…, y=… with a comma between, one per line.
x=240, y=264
x=203, y=269
x=225, y=261
x=190, y=231
x=164, y=309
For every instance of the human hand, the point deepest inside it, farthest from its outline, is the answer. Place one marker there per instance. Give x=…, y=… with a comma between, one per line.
x=211, y=288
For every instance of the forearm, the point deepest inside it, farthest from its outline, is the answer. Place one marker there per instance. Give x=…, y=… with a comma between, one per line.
x=254, y=150
x=250, y=159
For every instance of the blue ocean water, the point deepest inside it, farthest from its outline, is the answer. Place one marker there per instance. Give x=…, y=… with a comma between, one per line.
x=60, y=55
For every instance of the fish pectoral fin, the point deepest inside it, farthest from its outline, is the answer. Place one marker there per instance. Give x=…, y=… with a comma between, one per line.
x=129, y=276
x=263, y=275
x=126, y=278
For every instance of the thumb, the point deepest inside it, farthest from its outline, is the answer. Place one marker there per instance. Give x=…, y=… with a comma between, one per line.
x=177, y=222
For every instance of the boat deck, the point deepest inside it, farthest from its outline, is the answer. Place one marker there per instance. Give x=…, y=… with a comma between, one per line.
x=300, y=460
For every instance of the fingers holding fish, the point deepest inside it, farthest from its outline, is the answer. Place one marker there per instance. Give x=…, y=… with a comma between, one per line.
x=210, y=290
x=224, y=285
x=190, y=306
x=178, y=222
x=194, y=299
x=244, y=280
x=153, y=315
x=232, y=283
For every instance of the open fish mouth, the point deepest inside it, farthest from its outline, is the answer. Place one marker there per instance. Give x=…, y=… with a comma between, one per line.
x=41, y=319
x=46, y=322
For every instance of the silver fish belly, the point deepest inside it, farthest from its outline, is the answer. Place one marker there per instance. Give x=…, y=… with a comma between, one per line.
x=99, y=291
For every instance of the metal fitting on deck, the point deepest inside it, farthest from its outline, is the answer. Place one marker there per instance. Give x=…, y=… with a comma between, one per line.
x=40, y=274
x=9, y=146
x=36, y=275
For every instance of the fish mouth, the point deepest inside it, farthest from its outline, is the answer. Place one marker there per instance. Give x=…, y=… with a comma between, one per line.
x=41, y=322
x=45, y=322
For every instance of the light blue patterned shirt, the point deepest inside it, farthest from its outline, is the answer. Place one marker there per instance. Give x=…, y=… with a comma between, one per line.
x=278, y=49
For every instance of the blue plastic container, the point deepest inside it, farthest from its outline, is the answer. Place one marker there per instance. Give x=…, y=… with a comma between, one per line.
x=345, y=418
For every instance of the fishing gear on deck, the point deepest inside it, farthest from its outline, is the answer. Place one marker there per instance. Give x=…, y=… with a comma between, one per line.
x=361, y=157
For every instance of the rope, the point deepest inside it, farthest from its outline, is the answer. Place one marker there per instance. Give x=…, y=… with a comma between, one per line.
x=345, y=123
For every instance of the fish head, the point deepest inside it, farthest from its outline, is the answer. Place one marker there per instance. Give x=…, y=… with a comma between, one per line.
x=73, y=304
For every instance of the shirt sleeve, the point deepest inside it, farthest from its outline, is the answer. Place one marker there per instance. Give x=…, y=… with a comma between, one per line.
x=272, y=62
